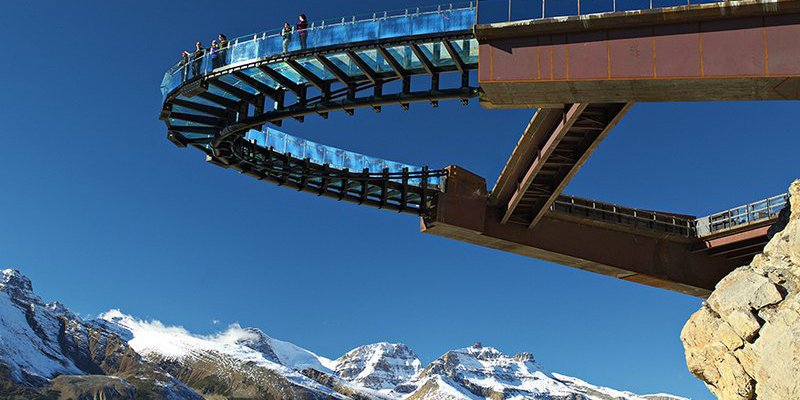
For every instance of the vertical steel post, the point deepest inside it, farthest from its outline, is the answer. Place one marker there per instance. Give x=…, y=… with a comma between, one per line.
x=579, y=7
x=615, y=5
x=543, y=7
x=509, y=10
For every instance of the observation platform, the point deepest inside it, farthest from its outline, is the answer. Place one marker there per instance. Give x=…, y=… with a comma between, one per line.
x=583, y=72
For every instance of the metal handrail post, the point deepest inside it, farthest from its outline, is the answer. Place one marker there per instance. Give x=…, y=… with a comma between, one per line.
x=509, y=10
x=543, y=7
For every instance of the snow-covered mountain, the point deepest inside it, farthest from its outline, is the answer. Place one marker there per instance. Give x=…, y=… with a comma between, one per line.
x=379, y=366
x=479, y=372
x=47, y=352
x=45, y=349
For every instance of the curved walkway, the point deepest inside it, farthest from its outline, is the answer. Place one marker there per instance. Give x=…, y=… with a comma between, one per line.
x=221, y=106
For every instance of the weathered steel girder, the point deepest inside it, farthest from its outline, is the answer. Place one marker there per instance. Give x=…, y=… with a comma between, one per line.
x=555, y=145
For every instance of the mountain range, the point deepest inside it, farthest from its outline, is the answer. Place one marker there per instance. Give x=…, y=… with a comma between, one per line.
x=48, y=352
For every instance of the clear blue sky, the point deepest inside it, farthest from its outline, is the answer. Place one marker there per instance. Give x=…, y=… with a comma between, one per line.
x=101, y=211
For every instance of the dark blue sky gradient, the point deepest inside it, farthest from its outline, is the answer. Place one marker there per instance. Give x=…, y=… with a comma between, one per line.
x=101, y=211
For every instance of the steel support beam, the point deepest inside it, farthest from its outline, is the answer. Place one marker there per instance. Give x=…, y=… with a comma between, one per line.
x=553, y=148
x=542, y=154
x=462, y=213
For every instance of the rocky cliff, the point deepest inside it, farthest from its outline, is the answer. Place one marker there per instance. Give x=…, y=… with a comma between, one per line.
x=744, y=342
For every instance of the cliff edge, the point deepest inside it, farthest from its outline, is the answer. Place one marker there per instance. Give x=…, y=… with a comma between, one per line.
x=744, y=342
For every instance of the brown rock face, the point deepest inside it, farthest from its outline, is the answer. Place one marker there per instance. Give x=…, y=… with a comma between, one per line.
x=744, y=343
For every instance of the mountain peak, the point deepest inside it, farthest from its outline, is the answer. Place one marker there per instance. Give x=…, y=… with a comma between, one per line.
x=18, y=287
x=379, y=366
x=12, y=278
x=524, y=357
x=483, y=353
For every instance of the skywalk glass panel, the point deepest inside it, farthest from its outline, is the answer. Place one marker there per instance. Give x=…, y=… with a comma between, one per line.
x=316, y=68
x=219, y=92
x=186, y=110
x=395, y=27
x=180, y=122
x=437, y=54
x=316, y=153
x=258, y=137
x=433, y=20
x=236, y=82
x=295, y=146
x=261, y=77
x=271, y=45
x=328, y=35
x=364, y=31
x=288, y=72
x=374, y=60
x=344, y=63
x=336, y=158
x=405, y=57
x=244, y=50
x=199, y=100
x=423, y=24
x=467, y=49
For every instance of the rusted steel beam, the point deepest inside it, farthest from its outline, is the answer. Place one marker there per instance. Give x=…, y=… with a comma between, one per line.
x=744, y=50
x=615, y=112
x=535, y=133
x=541, y=156
x=661, y=261
x=549, y=154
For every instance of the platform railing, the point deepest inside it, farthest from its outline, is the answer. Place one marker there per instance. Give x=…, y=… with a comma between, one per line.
x=748, y=214
x=637, y=218
x=492, y=11
x=322, y=34
x=737, y=217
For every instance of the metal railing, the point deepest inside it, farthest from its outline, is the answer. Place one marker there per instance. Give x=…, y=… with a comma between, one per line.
x=490, y=11
x=320, y=34
x=744, y=215
x=737, y=217
x=651, y=220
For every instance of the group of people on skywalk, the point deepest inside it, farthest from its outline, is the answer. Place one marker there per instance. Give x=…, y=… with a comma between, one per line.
x=218, y=51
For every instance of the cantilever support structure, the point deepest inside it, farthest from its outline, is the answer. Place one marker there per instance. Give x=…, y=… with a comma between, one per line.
x=655, y=259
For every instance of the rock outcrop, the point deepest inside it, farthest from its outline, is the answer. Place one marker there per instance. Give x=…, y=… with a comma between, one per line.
x=744, y=342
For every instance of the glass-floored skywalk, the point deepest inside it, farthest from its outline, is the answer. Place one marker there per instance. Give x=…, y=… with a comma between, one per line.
x=342, y=60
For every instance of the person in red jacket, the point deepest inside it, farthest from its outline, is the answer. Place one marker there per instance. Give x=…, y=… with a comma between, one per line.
x=302, y=31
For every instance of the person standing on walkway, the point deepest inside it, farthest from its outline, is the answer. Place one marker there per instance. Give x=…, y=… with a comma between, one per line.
x=197, y=58
x=223, y=49
x=214, y=54
x=183, y=65
x=286, y=34
x=302, y=31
